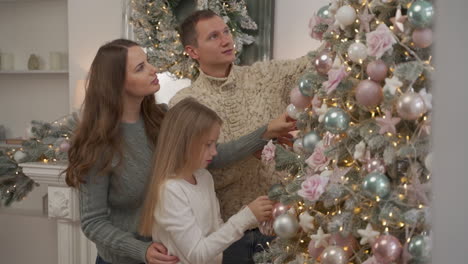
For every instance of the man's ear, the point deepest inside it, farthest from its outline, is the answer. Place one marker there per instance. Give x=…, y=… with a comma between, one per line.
x=192, y=52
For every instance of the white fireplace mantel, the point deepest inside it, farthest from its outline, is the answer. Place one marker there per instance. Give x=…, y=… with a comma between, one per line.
x=73, y=246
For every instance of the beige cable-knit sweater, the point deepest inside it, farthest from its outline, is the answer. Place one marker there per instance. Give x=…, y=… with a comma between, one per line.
x=245, y=100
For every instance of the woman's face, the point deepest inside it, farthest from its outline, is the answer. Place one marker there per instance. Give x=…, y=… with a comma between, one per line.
x=140, y=79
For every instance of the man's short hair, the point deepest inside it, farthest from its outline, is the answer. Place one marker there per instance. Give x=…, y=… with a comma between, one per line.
x=187, y=31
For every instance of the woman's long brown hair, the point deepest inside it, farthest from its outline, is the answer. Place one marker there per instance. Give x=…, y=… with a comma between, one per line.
x=97, y=141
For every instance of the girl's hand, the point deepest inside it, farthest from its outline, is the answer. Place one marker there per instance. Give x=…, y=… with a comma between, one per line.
x=262, y=208
x=157, y=254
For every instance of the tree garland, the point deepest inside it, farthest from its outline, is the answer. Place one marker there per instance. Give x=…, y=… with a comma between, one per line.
x=155, y=27
x=47, y=142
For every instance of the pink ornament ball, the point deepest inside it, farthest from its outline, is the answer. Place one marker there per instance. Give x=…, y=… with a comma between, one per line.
x=298, y=99
x=369, y=93
x=377, y=70
x=64, y=146
x=348, y=243
x=323, y=63
x=279, y=209
x=387, y=249
x=422, y=37
x=313, y=251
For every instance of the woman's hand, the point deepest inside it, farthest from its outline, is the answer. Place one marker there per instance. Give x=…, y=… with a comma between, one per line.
x=157, y=254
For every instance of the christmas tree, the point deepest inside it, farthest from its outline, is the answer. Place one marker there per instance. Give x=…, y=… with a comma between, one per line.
x=358, y=184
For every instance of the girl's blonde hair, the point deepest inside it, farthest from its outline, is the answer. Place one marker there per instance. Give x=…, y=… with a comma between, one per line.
x=178, y=148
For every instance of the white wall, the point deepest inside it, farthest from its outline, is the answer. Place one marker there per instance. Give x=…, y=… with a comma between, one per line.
x=26, y=28
x=450, y=134
x=291, y=29
x=91, y=23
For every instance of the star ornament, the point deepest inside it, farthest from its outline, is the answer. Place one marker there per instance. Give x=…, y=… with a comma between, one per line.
x=306, y=221
x=321, y=112
x=417, y=191
x=427, y=97
x=321, y=239
x=359, y=151
x=368, y=235
x=391, y=85
x=365, y=19
x=387, y=123
x=398, y=20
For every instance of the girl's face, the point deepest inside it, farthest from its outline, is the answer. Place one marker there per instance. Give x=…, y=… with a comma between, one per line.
x=208, y=147
x=140, y=78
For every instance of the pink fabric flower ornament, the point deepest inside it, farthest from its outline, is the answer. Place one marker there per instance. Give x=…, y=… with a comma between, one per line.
x=379, y=41
x=268, y=152
x=313, y=187
x=335, y=75
x=313, y=22
x=318, y=161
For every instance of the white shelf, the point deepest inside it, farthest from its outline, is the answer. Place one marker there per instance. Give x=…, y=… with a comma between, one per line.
x=4, y=145
x=34, y=72
x=27, y=1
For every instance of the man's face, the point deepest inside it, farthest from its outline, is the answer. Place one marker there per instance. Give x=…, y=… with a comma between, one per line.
x=215, y=43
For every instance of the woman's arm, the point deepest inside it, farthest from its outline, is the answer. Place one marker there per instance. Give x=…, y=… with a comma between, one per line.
x=96, y=225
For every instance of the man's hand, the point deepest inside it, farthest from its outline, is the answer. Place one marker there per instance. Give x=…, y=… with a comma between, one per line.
x=279, y=127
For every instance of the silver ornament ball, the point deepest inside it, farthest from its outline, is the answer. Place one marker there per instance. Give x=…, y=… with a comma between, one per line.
x=286, y=226
x=336, y=120
x=323, y=12
x=421, y=13
x=376, y=184
x=420, y=248
x=310, y=140
x=305, y=84
x=293, y=111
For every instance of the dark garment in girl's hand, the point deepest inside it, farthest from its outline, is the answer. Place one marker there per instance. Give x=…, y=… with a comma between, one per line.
x=243, y=250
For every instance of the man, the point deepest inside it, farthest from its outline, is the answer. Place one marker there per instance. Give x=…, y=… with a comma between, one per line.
x=245, y=98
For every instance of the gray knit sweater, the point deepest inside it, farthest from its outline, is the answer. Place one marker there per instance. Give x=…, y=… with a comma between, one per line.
x=110, y=204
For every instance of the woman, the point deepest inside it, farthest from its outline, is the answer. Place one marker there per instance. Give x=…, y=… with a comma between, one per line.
x=111, y=152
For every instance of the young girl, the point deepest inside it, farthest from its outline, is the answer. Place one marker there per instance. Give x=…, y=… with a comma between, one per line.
x=181, y=209
x=112, y=148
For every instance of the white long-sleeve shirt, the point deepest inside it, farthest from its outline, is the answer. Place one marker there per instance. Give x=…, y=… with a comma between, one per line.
x=189, y=224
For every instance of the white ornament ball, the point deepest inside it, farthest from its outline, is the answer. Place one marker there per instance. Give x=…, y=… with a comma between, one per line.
x=357, y=52
x=298, y=147
x=346, y=15
x=19, y=156
x=428, y=162
x=286, y=226
x=410, y=106
x=29, y=133
x=293, y=111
